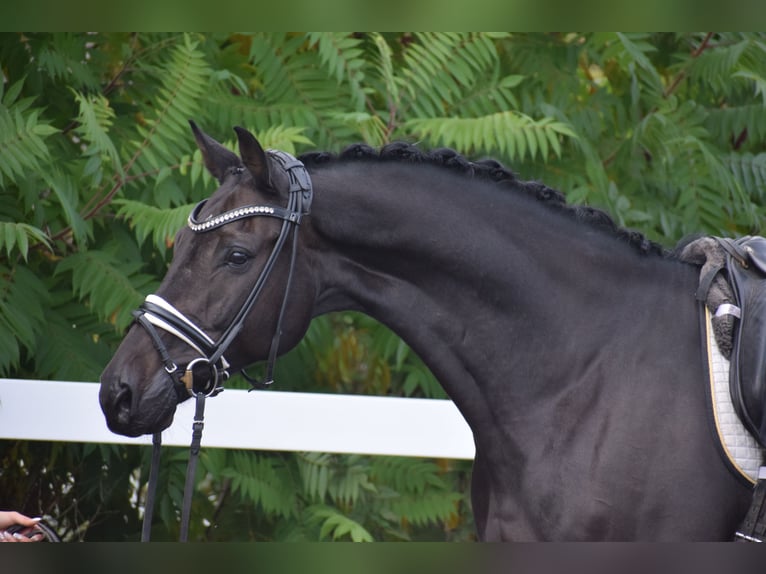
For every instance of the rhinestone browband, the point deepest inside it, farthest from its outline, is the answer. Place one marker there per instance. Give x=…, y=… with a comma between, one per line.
x=234, y=214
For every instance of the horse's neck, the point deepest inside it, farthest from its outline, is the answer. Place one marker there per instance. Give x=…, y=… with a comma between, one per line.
x=475, y=281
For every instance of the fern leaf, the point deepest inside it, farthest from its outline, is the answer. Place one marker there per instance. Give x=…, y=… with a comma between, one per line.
x=295, y=90
x=316, y=472
x=492, y=95
x=440, y=68
x=507, y=133
x=342, y=55
x=714, y=67
x=750, y=171
x=421, y=493
x=337, y=526
x=284, y=138
x=758, y=81
x=262, y=481
x=95, y=119
x=636, y=46
x=408, y=475
x=65, y=190
x=184, y=83
x=147, y=220
x=351, y=482
x=111, y=288
x=427, y=508
x=385, y=70
x=22, y=316
x=729, y=123
x=21, y=138
x=64, y=58
x=18, y=235
x=371, y=127
x=80, y=352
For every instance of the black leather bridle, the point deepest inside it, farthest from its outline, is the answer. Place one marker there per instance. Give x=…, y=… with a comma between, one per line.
x=155, y=313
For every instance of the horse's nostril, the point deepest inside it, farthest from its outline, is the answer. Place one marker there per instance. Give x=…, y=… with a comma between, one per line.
x=122, y=403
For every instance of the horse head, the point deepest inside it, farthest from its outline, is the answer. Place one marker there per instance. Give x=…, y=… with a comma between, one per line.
x=221, y=304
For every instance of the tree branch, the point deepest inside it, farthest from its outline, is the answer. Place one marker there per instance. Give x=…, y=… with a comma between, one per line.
x=682, y=74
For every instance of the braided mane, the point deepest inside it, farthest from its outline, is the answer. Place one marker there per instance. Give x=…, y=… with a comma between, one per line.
x=491, y=170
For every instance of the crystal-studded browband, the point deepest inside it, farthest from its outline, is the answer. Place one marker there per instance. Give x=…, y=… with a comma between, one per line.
x=239, y=213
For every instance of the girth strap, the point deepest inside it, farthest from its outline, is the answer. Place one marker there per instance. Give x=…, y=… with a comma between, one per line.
x=753, y=527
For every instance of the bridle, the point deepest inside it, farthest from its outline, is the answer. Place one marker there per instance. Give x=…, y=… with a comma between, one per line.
x=156, y=313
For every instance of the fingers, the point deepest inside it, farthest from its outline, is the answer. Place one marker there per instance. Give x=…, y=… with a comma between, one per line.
x=25, y=520
x=19, y=537
x=10, y=517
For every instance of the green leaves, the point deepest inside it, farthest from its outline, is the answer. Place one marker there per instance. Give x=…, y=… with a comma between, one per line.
x=184, y=80
x=149, y=221
x=507, y=133
x=262, y=481
x=436, y=80
x=22, y=134
x=342, y=55
x=112, y=288
x=321, y=496
x=16, y=237
x=336, y=526
x=94, y=122
x=22, y=314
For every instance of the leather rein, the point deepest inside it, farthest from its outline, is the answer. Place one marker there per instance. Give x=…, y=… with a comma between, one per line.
x=156, y=313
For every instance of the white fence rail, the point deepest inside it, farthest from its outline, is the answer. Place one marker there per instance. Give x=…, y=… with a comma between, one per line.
x=259, y=420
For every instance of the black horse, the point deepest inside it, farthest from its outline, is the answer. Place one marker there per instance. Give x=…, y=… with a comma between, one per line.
x=571, y=347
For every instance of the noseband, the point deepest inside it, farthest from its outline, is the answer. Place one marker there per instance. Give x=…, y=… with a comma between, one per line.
x=155, y=313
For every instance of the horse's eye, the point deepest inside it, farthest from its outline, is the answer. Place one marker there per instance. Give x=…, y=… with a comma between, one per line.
x=237, y=258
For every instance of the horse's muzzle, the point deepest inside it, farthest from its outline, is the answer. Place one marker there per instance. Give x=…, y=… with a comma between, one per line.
x=132, y=412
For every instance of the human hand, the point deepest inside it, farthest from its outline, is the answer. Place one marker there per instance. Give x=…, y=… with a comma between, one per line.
x=16, y=527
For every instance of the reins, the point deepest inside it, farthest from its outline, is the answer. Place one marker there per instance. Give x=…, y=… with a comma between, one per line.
x=155, y=313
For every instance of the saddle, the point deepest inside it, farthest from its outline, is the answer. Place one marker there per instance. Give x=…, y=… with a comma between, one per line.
x=733, y=286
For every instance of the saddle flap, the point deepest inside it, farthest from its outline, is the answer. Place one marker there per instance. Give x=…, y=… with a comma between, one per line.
x=748, y=360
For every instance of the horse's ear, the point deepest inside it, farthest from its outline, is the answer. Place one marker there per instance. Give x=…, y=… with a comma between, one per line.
x=217, y=158
x=254, y=158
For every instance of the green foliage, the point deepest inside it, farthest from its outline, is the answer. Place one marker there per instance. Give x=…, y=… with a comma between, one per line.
x=111, y=288
x=93, y=123
x=504, y=133
x=151, y=221
x=182, y=83
x=22, y=313
x=98, y=170
x=22, y=134
x=16, y=236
